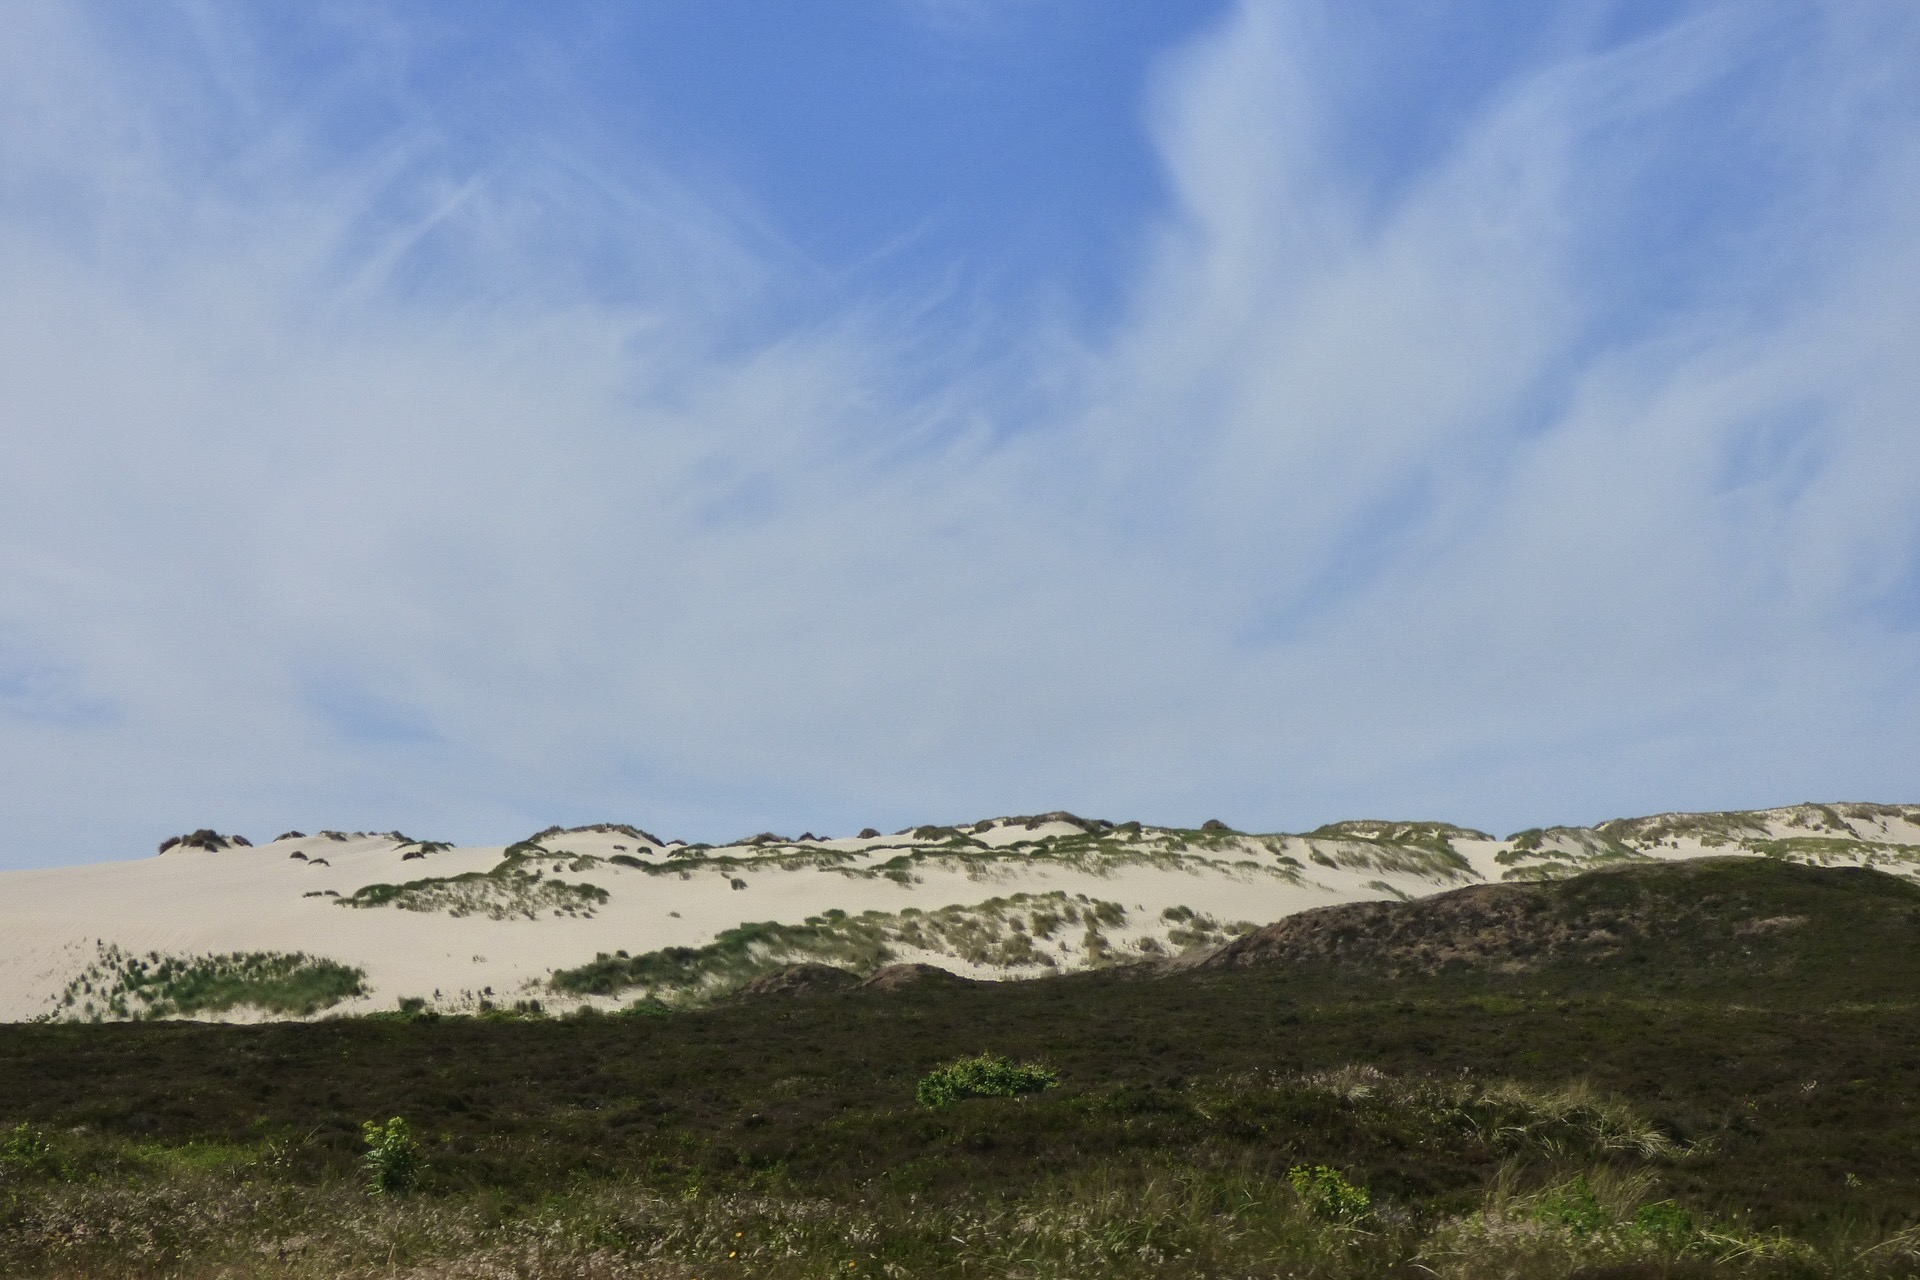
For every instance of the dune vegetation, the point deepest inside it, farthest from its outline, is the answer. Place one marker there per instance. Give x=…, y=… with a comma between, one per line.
x=118, y=986
x=1010, y=933
x=519, y=886
x=1023, y=934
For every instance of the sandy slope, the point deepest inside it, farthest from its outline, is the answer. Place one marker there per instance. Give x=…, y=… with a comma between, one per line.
x=281, y=896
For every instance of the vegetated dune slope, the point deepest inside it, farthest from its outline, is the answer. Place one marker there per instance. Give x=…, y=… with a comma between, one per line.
x=609, y=914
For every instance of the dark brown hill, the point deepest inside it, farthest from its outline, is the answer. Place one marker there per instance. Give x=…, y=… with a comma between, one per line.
x=1710, y=922
x=799, y=980
x=895, y=977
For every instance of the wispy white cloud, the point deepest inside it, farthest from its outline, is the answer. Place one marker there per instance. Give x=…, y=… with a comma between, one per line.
x=391, y=484
x=1464, y=491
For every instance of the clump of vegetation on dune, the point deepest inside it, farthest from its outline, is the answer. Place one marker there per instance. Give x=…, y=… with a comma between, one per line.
x=1742, y=828
x=1828, y=851
x=1101, y=849
x=603, y=828
x=519, y=886
x=687, y=861
x=1422, y=850
x=410, y=849
x=1712, y=830
x=1024, y=932
x=1095, y=848
x=999, y=848
x=120, y=985
x=1554, y=853
x=1834, y=835
x=1426, y=848
x=482, y=893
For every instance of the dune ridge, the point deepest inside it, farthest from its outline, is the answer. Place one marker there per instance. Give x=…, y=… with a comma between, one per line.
x=609, y=914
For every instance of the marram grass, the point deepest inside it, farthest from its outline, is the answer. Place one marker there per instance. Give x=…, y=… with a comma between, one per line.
x=119, y=985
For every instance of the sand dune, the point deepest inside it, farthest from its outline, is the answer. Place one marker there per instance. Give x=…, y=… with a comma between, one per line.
x=1005, y=898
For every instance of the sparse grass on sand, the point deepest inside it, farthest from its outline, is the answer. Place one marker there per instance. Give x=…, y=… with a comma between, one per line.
x=1020, y=933
x=119, y=985
x=518, y=887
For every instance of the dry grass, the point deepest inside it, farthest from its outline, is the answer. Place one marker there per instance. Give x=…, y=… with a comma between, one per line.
x=238, y=1219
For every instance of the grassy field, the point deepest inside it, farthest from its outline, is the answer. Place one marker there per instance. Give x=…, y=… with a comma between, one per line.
x=1727, y=1089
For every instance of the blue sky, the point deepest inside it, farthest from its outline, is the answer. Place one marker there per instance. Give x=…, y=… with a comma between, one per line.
x=468, y=417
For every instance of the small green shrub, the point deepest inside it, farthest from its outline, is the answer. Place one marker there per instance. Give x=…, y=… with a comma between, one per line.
x=1575, y=1207
x=1326, y=1191
x=392, y=1160
x=647, y=1008
x=1664, y=1221
x=22, y=1145
x=24, y=1148
x=987, y=1076
x=25, y=1152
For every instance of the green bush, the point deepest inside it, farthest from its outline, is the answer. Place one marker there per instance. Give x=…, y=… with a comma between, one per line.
x=1575, y=1207
x=1664, y=1221
x=1327, y=1192
x=22, y=1146
x=26, y=1149
x=392, y=1160
x=987, y=1076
